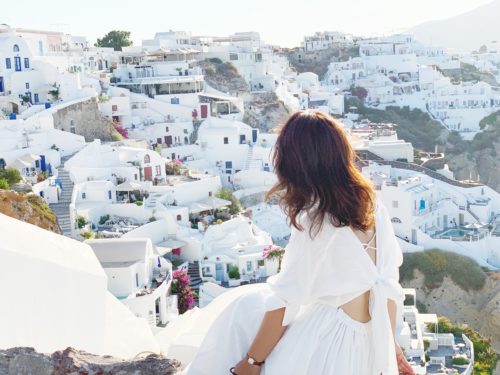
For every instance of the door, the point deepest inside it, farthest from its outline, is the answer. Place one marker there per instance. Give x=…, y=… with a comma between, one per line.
x=254, y=135
x=1, y=84
x=17, y=63
x=414, y=236
x=148, y=173
x=461, y=219
x=37, y=99
x=445, y=221
x=242, y=138
x=204, y=110
x=168, y=140
x=158, y=140
x=219, y=272
x=43, y=165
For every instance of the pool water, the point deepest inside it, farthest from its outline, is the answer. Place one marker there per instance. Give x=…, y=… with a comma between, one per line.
x=455, y=233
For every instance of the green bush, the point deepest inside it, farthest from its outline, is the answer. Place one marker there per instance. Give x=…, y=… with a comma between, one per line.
x=460, y=361
x=215, y=60
x=81, y=221
x=234, y=273
x=152, y=218
x=139, y=203
x=103, y=219
x=87, y=235
x=11, y=175
x=227, y=194
x=4, y=185
x=436, y=264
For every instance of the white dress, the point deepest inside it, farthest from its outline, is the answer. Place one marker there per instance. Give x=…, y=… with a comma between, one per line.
x=318, y=275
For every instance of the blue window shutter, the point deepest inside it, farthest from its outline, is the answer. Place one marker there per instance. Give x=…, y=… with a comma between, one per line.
x=8, y=64
x=26, y=63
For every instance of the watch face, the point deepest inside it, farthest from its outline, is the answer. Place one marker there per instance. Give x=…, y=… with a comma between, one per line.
x=251, y=360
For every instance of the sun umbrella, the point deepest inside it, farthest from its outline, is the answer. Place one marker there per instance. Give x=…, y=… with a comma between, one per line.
x=129, y=186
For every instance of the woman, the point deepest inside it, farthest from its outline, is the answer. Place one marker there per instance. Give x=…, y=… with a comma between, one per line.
x=332, y=308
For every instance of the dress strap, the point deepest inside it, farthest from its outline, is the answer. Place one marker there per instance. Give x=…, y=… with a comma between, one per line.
x=368, y=245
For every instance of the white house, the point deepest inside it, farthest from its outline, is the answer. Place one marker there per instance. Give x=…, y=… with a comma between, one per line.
x=138, y=277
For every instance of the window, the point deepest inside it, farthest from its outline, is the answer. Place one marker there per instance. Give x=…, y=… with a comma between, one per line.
x=147, y=159
x=17, y=64
x=8, y=63
x=84, y=196
x=233, y=56
x=15, y=48
x=114, y=108
x=226, y=140
x=72, y=128
x=394, y=204
x=249, y=266
x=135, y=176
x=209, y=193
x=179, y=217
x=260, y=262
x=229, y=164
x=166, y=129
x=26, y=63
x=27, y=85
x=158, y=170
x=185, y=131
x=109, y=194
x=137, y=279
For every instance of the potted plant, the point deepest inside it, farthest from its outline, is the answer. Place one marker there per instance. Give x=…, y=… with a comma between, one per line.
x=234, y=276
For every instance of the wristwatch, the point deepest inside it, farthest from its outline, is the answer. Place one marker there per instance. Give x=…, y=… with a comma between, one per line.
x=253, y=361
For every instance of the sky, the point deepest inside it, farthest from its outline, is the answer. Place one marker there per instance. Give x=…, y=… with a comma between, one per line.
x=282, y=22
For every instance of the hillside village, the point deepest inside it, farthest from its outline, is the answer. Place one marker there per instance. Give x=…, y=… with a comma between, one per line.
x=155, y=160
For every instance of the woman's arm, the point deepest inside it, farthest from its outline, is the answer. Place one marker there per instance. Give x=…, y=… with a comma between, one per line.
x=269, y=334
x=403, y=366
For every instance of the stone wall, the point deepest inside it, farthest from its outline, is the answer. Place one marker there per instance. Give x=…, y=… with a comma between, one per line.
x=84, y=118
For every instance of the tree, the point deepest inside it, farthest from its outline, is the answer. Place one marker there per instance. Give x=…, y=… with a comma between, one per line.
x=227, y=194
x=115, y=39
x=4, y=185
x=11, y=175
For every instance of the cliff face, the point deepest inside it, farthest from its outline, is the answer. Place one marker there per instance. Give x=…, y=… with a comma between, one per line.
x=28, y=208
x=479, y=309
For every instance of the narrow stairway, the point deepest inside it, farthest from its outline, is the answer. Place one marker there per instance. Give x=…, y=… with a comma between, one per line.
x=195, y=277
x=61, y=208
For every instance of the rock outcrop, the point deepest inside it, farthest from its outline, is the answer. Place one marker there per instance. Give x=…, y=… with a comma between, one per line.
x=29, y=208
x=265, y=111
x=26, y=361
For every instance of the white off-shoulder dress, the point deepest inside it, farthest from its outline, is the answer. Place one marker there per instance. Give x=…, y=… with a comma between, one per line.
x=318, y=275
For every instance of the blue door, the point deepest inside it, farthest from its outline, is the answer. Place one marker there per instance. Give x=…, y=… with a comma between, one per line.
x=254, y=135
x=219, y=272
x=242, y=138
x=1, y=84
x=43, y=165
x=17, y=61
x=37, y=99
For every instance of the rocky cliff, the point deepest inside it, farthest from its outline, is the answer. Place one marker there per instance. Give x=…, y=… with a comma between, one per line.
x=24, y=361
x=263, y=110
x=29, y=208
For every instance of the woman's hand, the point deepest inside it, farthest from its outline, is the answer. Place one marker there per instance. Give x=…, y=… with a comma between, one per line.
x=244, y=368
x=404, y=367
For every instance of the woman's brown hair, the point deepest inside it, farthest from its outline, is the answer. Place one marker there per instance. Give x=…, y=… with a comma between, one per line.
x=316, y=171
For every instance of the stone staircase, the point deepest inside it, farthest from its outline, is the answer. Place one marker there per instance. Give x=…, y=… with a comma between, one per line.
x=61, y=208
x=195, y=277
x=249, y=157
x=152, y=200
